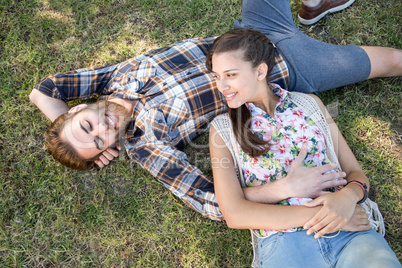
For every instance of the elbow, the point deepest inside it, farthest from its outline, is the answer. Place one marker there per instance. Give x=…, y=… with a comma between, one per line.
x=234, y=219
x=33, y=96
x=232, y=224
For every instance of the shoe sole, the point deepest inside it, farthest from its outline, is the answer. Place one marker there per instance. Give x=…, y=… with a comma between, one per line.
x=332, y=10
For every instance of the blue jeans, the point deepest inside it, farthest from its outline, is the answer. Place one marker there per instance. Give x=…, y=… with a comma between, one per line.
x=314, y=66
x=346, y=249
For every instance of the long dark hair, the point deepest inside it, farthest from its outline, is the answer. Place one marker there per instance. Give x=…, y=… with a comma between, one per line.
x=256, y=49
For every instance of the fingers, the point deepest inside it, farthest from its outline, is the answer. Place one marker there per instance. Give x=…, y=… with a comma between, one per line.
x=360, y=210
x=313, y=203
x=334, y=176
x=359, y=221
x=110, y=153
x=329, y=167
x=302, y=154
x=312, y=225
x=327, y=220
x=99, y=163
x=325, y=226
x=361, y=215
x=335, y=180
x=332, y=179
x=328, y=229
x=102, y=160
x=106, y=157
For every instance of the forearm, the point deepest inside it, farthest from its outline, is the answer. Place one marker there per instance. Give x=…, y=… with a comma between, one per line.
x=50, y=107
x=171, y=167
x=269, y=193
x=51, y=93
x=249, y=215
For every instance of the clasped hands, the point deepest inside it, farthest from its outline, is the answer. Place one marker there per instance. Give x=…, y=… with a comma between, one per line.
x=338, y=209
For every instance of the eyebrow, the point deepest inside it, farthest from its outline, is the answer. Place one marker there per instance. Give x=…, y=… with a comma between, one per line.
x=226, y=71
x=231, y=70
x=86, y=131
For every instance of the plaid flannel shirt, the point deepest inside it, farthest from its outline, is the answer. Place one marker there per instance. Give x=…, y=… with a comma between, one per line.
x=177, y=100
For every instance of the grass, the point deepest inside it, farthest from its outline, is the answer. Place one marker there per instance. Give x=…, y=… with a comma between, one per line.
x=120, y=216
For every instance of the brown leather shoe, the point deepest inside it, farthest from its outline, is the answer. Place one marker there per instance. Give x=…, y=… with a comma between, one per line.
x=310, y=15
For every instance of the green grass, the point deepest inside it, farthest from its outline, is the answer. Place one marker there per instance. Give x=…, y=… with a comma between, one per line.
x=120, y=216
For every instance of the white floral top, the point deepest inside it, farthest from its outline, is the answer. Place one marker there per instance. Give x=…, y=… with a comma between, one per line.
x=286, y=133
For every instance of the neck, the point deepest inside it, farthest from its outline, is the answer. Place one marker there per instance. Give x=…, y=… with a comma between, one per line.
x=127, y=104
x=267, y=101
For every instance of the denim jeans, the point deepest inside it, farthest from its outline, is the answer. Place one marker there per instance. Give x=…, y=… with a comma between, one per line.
x=314, y=66
x=343, y=249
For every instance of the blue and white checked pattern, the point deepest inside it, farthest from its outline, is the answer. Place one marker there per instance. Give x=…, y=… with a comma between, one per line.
x=177, y=100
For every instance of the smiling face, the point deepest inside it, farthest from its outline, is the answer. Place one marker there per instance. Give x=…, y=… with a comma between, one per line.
x=95, y=127
x=236, y=79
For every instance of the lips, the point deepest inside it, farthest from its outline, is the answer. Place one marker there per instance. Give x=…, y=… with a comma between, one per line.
x=230, y=96
x=112, y=122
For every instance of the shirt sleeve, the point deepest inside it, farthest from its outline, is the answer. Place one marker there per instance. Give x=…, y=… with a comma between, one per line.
x=78, y=84
x=154, y=151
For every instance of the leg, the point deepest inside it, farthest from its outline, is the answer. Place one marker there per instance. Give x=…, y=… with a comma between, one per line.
x=291, y=250
x=316, y=66
x=368, y=249
x=385, y=62
x=306, y=58
x=273, y=18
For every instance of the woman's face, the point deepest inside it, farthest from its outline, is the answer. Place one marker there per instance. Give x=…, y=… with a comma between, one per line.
x=236, y=79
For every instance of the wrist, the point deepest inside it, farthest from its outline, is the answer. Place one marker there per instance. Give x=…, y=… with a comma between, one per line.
x=359, y=188
x=285, y=188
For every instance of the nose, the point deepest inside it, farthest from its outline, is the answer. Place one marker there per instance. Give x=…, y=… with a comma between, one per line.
x=100, y=130
x=222, y=84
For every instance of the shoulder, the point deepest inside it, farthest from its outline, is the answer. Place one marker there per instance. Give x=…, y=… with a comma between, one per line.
x=221, y=121
x=319, y=101
x=323, y=109
x=222, y=126
x=307, y=99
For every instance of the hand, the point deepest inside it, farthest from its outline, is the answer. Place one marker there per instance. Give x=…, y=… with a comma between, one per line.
x=337, y=210
x=308, y=182
x=107, y=156
x=359, y=221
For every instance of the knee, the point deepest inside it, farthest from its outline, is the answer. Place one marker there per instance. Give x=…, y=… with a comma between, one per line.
x=382, y=258
x=377, y=254
x=385, y=62
x=395, y=59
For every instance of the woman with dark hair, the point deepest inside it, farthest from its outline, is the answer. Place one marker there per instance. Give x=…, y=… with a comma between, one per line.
x=267, y=135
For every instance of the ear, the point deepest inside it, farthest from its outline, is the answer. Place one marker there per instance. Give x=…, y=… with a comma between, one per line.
x=77, y=108
x=262, y=70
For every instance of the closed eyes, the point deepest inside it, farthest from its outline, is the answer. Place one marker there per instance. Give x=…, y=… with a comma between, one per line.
x=97, y=141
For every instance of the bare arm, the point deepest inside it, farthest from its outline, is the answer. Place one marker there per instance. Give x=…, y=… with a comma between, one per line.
x=300, y=181
x=237, y=210
x=346, y=158
x=338, y=207
x=51, y=107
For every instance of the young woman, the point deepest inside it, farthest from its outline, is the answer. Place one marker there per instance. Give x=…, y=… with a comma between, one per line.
x=272, y=140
